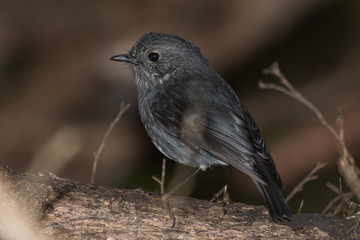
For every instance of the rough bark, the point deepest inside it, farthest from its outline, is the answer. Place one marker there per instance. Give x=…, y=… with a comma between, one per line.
x=66, y=209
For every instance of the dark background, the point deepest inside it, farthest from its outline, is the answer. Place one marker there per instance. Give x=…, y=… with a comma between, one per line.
x=59, y=91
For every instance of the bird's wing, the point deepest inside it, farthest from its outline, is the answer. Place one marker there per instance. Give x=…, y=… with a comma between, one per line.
x=237, y=141
x=210, y=118
x=229, y=137
x=248, y=131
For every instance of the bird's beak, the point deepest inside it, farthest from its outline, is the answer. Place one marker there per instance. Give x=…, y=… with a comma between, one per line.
x=124, y=58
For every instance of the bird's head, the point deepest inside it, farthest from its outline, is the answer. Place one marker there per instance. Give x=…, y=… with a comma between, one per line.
x=157, y=58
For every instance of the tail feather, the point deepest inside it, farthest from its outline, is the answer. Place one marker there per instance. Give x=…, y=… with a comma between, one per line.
x=278, y=207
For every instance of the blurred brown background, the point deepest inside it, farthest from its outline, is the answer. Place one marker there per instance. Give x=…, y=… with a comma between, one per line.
x=59, y=91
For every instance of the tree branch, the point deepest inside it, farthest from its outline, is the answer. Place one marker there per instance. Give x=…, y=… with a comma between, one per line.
x=346, y=164
x=66, y=209
x=97, y=154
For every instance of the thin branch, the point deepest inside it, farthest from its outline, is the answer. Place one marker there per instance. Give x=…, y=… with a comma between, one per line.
x=336, y=209
x=340, y=123
x=300, y=207
x=330, y=204
x=344, y=197
x=290, y=90
x=343, y=202
x=162, y=180
x=333, y=187
x=339, y=207
x=347, y=167
x=97, y=154
x=311, y=176
x=276, y=87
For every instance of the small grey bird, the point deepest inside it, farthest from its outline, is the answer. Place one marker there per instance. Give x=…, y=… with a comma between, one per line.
x=195, y=118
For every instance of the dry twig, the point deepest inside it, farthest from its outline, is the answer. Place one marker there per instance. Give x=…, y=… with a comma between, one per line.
x=311, y=176
x=301, y=205
x=346, y=164
x=343, y=197
x=162, y=180
x=97, y=154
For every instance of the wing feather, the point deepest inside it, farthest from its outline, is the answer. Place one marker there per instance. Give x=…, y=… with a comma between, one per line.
x=224, y=130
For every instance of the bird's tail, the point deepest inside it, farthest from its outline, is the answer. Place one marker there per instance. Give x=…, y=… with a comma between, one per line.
x=278, y=207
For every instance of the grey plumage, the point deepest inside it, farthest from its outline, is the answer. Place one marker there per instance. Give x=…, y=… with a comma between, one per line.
x=195, y=118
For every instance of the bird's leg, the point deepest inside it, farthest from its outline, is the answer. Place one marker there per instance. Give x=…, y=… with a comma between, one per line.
x=165, y=197
x=225, y=194
x=216, y=196
x=168, y=209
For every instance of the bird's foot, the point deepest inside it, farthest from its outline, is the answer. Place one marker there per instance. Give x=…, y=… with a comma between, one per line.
x=225, y=200
x=164, y=199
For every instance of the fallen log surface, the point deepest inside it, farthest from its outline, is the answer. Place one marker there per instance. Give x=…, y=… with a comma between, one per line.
x=67, y=209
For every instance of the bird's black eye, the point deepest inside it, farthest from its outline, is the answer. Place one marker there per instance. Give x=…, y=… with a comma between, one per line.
x=153, y=56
